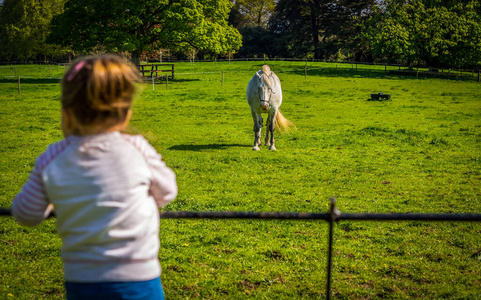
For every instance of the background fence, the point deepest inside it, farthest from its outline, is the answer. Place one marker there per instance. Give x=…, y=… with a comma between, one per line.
x=398, y=69
x=333, y=216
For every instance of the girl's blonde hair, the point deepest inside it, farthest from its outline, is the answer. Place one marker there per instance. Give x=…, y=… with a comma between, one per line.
x=99, y=90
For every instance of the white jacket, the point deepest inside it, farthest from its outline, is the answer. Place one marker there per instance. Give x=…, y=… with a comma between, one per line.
x=105, y=189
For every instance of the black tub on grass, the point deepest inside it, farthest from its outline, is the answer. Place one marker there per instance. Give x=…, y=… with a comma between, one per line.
x=380, y=97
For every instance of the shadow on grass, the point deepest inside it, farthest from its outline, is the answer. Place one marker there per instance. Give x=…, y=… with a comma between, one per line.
x=162, y=81
x=342, y=71
x=406, y=74
x=206, y=147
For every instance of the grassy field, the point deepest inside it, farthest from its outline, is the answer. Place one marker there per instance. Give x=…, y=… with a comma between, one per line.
x=419, y=152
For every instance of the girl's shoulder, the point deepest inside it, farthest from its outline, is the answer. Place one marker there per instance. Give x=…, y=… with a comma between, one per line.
x=140, y=143
x=52, y=151
x=136, y=140
x=133, y=137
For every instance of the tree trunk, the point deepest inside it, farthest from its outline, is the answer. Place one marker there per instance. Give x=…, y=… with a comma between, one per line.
x=259, y=18
x=315, y=31
x=136, y=57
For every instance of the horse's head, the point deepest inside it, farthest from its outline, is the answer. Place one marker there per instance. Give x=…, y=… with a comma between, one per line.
x=265, y=90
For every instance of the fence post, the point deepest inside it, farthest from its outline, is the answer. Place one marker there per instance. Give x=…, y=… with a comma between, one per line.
x=19, y=85
x=333, y=216
x=479, y=74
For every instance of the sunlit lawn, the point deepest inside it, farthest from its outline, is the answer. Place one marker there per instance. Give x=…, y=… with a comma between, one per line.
x=419, y=152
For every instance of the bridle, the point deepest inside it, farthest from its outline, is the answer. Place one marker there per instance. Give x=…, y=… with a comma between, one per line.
x=265, y=102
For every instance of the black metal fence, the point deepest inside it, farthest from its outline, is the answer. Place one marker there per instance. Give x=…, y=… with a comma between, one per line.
x=333, y=216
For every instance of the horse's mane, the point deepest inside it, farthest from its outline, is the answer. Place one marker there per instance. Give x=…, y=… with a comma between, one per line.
x=266, y=70
x=266, y=73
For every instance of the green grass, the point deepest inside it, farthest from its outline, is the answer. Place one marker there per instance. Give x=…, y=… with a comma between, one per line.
x=419, y=152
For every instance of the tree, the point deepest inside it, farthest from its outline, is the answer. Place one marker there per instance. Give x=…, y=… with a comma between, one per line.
x=139, y=25
x=317, y=27
x=251, y=17
x=437, y=33
x=452, y=36
x=257, y=41
x=389, y=38
x=252, y=13
x=348, y=40
x=24, y=25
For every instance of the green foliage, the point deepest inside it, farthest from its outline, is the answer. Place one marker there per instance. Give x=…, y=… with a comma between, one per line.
x=318, y=27
x=252, y=13
x=135, y=26
x=419, y=152
x=432, y=33
x=24, y=25
x=257, y=41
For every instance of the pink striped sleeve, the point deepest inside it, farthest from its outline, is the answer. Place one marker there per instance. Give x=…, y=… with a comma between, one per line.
x=31, y=206
x=164, y=185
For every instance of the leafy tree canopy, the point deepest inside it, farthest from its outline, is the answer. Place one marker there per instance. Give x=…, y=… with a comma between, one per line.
x=317, y=27
x=257, y=41
x=252, y=13
x=24, y=25
x=438, y=33
x=138, y=25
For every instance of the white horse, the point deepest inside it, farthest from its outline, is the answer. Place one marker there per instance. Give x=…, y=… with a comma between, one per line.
x=264, y=95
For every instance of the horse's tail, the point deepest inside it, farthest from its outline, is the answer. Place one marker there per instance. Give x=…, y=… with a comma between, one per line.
x=282, y=123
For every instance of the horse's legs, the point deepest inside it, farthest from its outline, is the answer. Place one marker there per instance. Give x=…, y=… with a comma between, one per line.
x=257, y=130
x=268, y=122
x=270, y=128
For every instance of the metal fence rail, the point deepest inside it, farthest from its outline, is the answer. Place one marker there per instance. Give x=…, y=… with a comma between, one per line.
x=322, y=216
x=334, y=215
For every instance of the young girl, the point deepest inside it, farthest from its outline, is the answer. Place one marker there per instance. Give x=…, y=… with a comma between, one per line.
x=105, y=186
